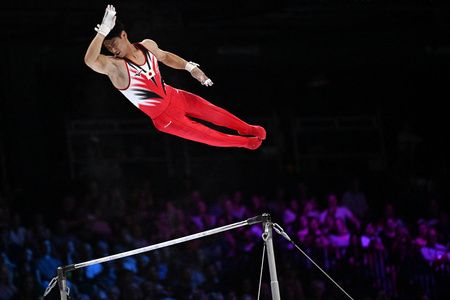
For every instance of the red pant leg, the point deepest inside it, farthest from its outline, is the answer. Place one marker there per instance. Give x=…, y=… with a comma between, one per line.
x=199, y=108
x=174, y=120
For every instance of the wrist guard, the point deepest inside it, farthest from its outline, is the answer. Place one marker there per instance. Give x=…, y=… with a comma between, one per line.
x=190, y=66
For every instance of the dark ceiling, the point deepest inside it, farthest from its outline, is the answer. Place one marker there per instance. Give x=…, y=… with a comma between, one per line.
x=301, y=57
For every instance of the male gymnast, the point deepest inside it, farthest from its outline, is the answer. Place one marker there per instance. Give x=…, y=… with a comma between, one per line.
x=133, y=70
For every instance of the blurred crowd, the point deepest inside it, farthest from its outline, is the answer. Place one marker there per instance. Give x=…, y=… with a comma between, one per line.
x=370, y=254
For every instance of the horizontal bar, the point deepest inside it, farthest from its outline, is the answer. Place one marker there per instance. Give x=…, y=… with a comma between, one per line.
x=249, y=221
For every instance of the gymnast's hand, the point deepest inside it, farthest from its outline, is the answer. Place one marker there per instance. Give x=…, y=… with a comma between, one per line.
x=198, y=74
x=108, y=22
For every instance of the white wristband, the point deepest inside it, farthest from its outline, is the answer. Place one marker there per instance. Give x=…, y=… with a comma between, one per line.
x=103, y=29
x=190, y=66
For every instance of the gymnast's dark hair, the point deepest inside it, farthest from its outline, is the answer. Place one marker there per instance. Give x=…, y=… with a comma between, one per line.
x=116, y=31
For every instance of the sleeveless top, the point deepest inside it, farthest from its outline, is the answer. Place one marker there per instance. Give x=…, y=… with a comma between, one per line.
x=146, y=88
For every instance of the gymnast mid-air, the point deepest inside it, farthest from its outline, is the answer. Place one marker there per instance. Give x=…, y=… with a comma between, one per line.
x=133, y=70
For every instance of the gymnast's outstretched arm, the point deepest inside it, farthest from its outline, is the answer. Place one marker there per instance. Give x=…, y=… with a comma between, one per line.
x=174, y=61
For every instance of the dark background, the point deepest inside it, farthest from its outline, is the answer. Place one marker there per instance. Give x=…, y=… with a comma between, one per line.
x=283, y=58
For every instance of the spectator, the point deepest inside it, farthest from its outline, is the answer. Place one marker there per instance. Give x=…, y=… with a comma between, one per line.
x=86, y=254
x=107, y=278
x=315, y=236
x=212, y=283
x=291, y=216
x=133, y=291
x=202, y=218
x=303, y=228
x=433, y=251
x=27, y=264
x=291, y=213
x=310, y=208
x=385, y=259
x=38, y=232
x=339, y=236
x=47, y=263
x=239, y=210
x=114, y=293
x=422, y=236
x=8, y=290
x=329, y=224
x=17, y=232
x=61, y=235
x=388, y=234
x=355, y=200
x=340, y=212
x=370, y=238
x=69, y=254
x=228, y=215
x=390, y=213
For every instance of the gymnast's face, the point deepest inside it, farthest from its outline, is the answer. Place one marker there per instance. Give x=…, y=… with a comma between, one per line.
x=117, y=45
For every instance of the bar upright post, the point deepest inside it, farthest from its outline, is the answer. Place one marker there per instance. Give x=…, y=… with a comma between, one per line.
x=62, y=282
x=268, y=239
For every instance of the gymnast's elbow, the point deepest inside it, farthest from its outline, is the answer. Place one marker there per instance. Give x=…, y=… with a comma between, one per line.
x=89, y=61
x=94, y=64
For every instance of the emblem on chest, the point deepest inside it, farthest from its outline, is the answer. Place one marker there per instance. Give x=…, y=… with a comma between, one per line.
x=147, y=74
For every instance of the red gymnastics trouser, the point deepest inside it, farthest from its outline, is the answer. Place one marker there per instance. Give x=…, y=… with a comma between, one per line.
x=175, y=120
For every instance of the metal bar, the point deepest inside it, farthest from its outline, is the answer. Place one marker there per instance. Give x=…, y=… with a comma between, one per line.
x=62, y=282
x=163, y=244
x=271, y=261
